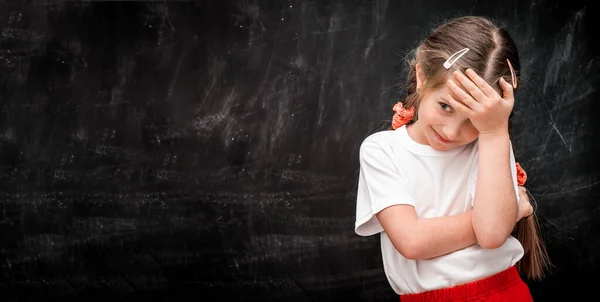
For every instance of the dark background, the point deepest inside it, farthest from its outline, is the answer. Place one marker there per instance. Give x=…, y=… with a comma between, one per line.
x=208, y=150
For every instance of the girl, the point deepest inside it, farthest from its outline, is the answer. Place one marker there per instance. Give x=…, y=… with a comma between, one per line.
x=441, y=189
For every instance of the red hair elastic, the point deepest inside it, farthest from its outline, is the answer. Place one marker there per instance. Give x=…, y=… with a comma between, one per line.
x=403, y=116
x=521, y=175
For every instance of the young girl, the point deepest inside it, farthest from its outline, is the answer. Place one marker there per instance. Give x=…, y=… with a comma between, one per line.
x=442, y=187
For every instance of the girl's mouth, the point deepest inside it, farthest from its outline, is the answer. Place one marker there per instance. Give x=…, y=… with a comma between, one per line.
x=441, y=139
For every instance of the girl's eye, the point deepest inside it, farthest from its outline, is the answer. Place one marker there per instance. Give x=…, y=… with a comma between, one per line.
x=446, y=107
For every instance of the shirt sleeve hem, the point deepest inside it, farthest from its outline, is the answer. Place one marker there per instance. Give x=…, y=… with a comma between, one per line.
x=369, y=225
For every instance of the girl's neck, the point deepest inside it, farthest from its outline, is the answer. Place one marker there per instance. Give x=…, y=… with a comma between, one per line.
x=416, y=133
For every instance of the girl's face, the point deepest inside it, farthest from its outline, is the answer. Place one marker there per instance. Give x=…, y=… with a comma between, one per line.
x=439, y=125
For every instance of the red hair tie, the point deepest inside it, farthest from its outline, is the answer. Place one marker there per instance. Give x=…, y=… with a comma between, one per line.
x=521, y=175
x=403, y=116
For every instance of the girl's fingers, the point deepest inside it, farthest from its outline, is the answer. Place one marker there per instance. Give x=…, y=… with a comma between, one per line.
x=470, y=86
x=507, y=89
x=462, y=96
x=482, y=84
x=458, y=106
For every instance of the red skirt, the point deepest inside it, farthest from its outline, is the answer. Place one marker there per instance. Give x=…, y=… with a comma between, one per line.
x=503, y=286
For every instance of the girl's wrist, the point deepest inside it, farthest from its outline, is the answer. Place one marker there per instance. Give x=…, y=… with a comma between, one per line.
x=494, y=135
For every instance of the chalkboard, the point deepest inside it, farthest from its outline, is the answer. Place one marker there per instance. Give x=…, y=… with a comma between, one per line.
x=208, y=150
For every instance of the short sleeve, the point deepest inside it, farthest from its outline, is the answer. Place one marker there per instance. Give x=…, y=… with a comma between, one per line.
x=513, y=172
x=380, y=185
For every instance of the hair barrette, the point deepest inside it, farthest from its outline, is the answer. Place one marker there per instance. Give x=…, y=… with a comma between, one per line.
x=452, y=59
x=512, y=75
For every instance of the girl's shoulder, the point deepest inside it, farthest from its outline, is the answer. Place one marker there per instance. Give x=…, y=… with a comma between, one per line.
x=382, y=139
x=384, y=136
x=381, y=143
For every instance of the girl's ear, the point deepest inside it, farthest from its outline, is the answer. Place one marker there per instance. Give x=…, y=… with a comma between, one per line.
x=419, y=74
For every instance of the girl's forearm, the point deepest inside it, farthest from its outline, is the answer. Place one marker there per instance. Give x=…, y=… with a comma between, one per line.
x=443, y=235
x=495, y=203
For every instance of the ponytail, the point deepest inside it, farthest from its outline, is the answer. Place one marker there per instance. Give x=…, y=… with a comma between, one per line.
x=407, y=110
x=535, y=262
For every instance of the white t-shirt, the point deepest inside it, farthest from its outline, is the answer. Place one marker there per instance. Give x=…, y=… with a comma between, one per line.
x=394, y=169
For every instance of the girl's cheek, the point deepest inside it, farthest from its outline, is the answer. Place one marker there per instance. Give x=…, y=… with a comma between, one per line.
x=474, y=134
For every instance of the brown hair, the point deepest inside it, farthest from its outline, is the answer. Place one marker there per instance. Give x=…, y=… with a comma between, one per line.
x=489, y=48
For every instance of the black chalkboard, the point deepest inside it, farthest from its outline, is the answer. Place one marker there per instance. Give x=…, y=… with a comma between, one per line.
x=208, y=150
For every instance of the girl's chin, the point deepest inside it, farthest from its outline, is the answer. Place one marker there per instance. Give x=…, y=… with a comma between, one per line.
x=439, y=146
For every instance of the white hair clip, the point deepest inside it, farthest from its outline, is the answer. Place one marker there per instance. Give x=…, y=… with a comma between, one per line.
x=455, y=57
x=512, y=75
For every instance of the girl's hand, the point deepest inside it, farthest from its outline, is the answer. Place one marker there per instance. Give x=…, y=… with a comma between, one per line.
x=525, y=208
x=487, y=110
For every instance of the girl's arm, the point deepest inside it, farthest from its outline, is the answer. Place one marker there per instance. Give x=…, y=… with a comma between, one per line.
x=426, y=238
x=495, y=203
x=432, y=237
